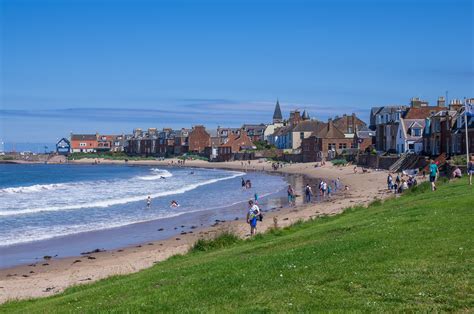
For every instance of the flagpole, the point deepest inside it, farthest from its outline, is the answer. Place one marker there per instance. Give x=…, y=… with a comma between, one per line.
x=467, y=135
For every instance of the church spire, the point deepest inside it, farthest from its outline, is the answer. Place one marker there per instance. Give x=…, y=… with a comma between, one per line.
x=277, y=116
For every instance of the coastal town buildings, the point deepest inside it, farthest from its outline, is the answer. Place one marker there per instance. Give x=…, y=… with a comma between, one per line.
x=198, y=139
x=84, y=143
x=410, y=136
x=235, y=144
x=326, y=143
x=256, y=132
x=417, y=128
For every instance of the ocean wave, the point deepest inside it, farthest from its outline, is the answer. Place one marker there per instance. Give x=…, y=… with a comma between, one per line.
x=157, y=174
x=118, y=201
x=32, y=188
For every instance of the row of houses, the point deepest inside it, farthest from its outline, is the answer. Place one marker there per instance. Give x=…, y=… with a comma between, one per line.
x=91, y=143
x=422, y=129
x=315, y=140
x=414, y=128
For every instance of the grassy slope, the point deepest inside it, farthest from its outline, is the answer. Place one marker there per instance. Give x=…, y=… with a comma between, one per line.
x=414, y=252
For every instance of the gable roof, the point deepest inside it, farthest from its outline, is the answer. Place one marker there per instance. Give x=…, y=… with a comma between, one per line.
x=343, y=123
x=309, y=126
x=422, y=112
x=83, y=137
x=329, y=131
x=407, y=124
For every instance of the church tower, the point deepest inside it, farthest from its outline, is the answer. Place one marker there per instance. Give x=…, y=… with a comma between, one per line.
x=277, y=116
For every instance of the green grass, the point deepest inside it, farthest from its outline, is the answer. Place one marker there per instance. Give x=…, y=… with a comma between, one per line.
x=412, y=253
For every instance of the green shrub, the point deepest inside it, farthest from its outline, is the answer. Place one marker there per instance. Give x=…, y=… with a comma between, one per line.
x=224, y=240
x=459, y=160
x=339, y=162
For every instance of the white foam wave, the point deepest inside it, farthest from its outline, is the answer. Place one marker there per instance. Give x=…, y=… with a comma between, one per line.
x=118, y=201
x=32, y=188
x=157, y=174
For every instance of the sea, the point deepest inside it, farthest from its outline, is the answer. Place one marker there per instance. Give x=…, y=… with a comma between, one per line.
x=64, y=209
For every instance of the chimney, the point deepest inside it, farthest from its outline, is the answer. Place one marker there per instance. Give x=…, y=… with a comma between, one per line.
x=330, y=125
x=441, y=101
x=353, y=122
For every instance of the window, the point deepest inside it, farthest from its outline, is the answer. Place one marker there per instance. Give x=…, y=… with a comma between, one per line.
x=331, y=146
x=342, y=145
x=301, y=135
x=82, y=144
x=349, y=129
x=416, y=132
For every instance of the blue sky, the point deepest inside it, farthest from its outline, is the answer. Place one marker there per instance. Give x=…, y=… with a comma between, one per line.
x=110, y=66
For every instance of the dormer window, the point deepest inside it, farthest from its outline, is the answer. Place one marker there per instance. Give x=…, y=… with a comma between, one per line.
x=416, y=132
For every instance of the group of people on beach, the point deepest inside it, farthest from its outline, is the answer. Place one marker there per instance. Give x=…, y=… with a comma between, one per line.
x=400, y=184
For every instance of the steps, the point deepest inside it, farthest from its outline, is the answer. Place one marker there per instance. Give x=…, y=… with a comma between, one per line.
x=397, y=164
x=406, y=161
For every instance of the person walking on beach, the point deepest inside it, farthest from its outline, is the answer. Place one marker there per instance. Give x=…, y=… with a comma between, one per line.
x=148, y=201
x=308, y=192
x=324, y=188
x=470, y=169
x=252, y=217
x=389, y=181
x=337, y=184
x=243, y=184
x=434, y=172
x=255, y=196
x=291, y=195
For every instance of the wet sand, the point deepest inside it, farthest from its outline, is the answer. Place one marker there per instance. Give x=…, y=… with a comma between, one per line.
x=50, y=276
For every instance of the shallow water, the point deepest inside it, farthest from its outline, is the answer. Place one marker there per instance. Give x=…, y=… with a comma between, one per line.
x=66, y=209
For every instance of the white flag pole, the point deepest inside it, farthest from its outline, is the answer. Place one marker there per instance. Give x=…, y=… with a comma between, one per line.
x=467, y=135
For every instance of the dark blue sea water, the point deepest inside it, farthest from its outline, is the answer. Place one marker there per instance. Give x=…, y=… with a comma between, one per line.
x=40, y=202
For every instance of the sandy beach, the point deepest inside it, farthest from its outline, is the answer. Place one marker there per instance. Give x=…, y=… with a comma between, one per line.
x=51, y=276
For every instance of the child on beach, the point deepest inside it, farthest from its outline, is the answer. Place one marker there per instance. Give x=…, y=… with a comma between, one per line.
x=252, y=217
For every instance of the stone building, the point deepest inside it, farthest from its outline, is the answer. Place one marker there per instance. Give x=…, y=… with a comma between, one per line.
x=198, y=139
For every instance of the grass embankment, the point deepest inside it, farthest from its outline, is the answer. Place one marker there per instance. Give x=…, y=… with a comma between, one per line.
x=410, y=253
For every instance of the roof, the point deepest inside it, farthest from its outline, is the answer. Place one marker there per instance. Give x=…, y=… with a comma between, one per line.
x=330, y=132
x=254, y=126
x=283, y=130
x=309, y=126
x=83, y=137
x=411, y=123
x=422, y=112
x=305, y=115
x=390, y=109
x=277, y=113
x=343, y=123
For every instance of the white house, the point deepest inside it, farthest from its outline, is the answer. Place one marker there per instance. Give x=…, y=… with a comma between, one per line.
x=410, y=136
